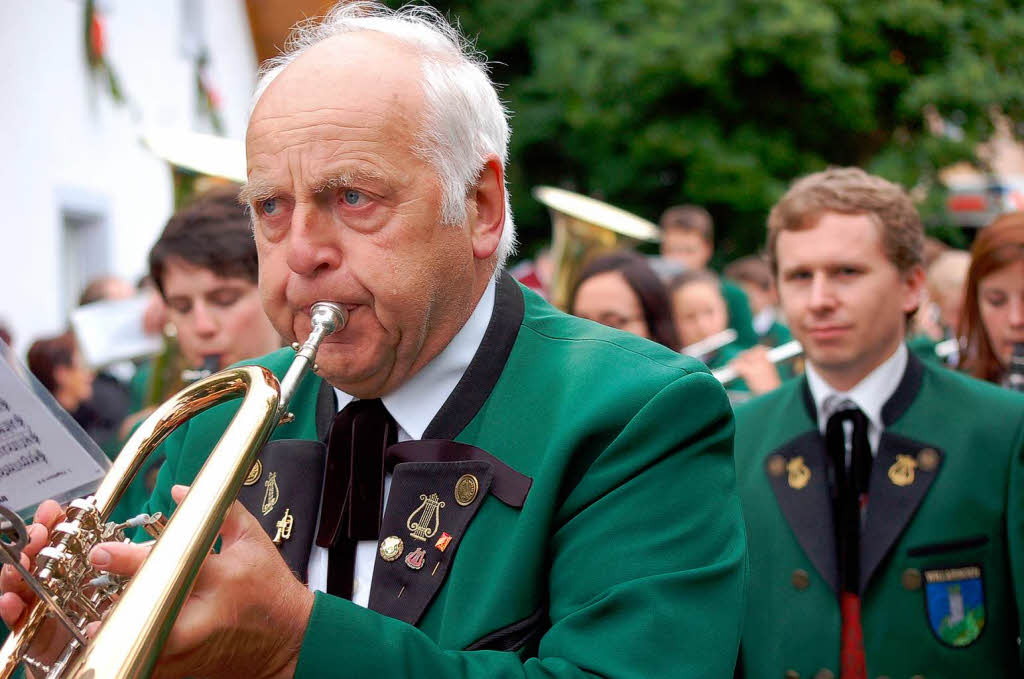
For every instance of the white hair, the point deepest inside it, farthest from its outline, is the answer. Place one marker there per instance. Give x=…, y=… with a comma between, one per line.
x=464, y=122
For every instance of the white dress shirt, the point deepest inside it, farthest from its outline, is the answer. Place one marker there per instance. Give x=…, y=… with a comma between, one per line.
x=413, y=405
x=870, y=394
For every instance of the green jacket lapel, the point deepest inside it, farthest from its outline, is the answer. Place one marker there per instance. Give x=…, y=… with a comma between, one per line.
x=901, y=476
x=797, y=473
x=436, y=489
x=487, y=365
x=426, y=516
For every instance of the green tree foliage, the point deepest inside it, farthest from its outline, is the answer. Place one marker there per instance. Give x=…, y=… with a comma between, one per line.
x=648, y=103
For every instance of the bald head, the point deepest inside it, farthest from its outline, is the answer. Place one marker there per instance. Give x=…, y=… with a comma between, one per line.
x=453, y=109
x=366, y=71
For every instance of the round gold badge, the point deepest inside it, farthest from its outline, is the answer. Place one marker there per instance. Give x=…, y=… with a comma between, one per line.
x=466, y=489
x=800, y=579
x=928, y=459
x=391, y=548
x=254, y=474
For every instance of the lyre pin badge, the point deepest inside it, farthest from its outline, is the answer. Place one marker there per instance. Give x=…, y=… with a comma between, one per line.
x=284, y=527
x=799, y=473
x=272, y=495
x=901, y=473
x=429, y=513
x=416, y=559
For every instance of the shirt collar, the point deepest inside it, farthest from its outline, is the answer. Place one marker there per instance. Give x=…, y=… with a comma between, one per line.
x=416, y=401
x=870, y=394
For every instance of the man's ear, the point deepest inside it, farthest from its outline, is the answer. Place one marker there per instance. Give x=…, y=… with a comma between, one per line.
x=488, y=198
x=913, y=288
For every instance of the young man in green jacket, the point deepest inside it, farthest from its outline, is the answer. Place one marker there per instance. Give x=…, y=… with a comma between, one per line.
x=884, y=496
x=509, y=491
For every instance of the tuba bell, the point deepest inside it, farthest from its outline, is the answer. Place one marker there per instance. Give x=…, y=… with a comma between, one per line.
x=584, y=228
x=137, y=614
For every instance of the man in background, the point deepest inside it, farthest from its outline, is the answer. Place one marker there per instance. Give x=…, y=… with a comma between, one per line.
x=688, y=239
x=882, y=493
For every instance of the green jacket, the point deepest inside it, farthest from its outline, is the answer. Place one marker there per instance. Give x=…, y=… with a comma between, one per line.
x=942, y=552
x=627, y=558
x=740, y=317
x=777, y=335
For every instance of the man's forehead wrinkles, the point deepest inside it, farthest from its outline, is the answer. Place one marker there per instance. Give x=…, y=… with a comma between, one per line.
x=322, y=131
x=354, y=117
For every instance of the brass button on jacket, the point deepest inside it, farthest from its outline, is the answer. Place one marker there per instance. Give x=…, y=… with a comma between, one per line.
x=911, y=579
x=800, y=579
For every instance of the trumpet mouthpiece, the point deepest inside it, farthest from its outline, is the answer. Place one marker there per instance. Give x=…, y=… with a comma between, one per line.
x=328, y=315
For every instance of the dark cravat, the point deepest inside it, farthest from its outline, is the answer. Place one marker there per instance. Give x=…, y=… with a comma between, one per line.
x=352, y=498
x=849, y=488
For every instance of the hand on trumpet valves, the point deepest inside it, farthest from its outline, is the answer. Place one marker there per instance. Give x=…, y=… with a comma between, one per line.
x=755, y=367
x=245, y=616
x=15, y=594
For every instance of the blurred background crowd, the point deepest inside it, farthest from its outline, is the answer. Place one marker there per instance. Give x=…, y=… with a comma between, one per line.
x=693, y=116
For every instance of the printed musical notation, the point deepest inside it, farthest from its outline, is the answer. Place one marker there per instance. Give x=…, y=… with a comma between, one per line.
x=19, y=444
x=40, y=457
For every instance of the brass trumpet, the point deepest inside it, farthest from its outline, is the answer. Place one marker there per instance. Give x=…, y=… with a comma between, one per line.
x=137, y=614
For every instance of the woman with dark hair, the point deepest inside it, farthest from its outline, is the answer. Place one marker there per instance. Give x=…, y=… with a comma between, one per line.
x=58, y=365
x=993, y=315
x=622, y=291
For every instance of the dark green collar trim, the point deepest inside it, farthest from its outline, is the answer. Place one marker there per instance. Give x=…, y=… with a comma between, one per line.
x=487, y=365
x=906, y=392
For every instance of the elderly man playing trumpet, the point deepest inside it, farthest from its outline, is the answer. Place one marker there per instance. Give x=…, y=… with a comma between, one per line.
x=508, y=491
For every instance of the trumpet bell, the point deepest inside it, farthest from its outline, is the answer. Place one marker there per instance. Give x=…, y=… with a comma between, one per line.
x=583, y=229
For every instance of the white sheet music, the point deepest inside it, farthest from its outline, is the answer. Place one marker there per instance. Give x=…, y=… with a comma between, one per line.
x=111, y=330
x=43, y=452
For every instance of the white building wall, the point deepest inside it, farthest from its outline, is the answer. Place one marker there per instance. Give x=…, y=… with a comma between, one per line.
x=66, y=144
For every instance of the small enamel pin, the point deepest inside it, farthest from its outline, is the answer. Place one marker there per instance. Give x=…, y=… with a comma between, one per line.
x=466, y=489
x=284, y=527
x=416, y=558
x=391, y=548
x=272, y=495
x=442, y=542
x=901, y=473
x=799, y=473
x=429, y=518
x=254, y=474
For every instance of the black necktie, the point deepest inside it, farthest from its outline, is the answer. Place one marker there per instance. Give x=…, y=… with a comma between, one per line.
x=850, y=484
x=352, y=499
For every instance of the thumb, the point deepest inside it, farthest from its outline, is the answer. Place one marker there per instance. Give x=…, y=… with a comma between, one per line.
x=238, y=524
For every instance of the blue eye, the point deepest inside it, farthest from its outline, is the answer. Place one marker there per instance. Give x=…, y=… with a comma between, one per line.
x=352, y=197
x=269, y=206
